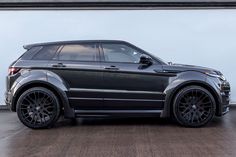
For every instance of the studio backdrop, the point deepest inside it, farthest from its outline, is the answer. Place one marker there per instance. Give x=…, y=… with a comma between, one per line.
x=196, y=37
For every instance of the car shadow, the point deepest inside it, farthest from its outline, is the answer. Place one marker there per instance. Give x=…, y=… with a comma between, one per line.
x=131, y=121
x=114, y=121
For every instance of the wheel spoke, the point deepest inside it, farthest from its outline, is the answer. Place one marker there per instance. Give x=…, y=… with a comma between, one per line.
x=30, y=99
x=42, y=99
x=193, y=116
x=186, y=110
x=202, y=99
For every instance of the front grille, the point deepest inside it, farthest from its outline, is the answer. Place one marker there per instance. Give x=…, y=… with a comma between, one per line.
x=225, y=93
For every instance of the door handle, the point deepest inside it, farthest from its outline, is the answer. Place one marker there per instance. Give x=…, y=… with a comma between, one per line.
x=58, y=65
x=111, y=68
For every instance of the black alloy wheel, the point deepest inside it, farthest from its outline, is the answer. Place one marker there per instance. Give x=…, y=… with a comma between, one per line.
x=194, y=106
x=38, y=107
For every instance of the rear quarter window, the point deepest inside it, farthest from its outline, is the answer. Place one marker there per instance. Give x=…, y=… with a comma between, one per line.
x=46, y=53
x=30, y=53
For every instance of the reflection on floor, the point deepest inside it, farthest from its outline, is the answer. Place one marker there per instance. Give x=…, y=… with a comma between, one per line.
x=143, y=137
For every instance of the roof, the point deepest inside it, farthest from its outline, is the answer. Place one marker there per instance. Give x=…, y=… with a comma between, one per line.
x=101, y=1
x=115, y=4
x=71, y=42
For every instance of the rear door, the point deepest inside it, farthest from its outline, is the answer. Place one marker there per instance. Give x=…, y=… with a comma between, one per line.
x=79, y=66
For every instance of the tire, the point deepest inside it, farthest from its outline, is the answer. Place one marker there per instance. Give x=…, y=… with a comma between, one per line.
x=38, y=108
x=194, y=106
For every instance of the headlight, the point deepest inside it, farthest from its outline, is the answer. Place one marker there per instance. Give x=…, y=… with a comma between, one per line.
x=220, y=76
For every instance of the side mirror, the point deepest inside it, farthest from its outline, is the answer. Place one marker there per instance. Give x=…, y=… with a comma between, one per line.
x=145, y=60
x=170, y=63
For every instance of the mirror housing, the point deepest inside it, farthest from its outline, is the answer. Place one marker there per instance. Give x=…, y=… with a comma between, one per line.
x=170, y=63
x=144, y=59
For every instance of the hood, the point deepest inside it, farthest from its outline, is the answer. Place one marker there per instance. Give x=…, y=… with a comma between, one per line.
x=182, y=68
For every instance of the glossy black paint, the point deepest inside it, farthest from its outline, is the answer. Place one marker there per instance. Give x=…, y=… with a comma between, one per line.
x=111, y=88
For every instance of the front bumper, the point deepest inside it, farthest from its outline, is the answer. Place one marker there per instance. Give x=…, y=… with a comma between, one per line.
x=225, y=98
x=222, y=94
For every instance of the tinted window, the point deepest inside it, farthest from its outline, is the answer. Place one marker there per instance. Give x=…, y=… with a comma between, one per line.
x=120, y=53
x=30, y=53
x=46, y=53
x=79, y=52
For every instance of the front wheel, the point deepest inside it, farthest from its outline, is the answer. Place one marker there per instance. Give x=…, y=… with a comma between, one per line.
x=194, y=106
x=38, y=108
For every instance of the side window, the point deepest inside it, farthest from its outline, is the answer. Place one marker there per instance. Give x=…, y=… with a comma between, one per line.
x=120, y=53
x=79, y=52
x=46, y=53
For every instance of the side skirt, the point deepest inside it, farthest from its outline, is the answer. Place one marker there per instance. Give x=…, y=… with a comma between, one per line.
x=118, y=113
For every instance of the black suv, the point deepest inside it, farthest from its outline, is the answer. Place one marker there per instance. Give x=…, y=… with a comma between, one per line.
x=110, y=78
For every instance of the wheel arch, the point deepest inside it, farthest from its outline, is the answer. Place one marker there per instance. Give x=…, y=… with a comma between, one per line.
x=171, y=95
x=61, y=95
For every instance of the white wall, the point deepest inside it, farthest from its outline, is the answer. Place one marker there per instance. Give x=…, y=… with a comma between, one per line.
x=202, y=37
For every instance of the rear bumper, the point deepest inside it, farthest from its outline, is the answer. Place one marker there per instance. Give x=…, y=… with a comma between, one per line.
x=8, y=99
x=9, y=94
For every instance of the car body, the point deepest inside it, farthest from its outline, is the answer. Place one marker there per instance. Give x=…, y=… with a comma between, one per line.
x=111, y=78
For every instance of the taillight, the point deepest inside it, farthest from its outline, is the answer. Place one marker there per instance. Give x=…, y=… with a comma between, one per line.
x=13, y=70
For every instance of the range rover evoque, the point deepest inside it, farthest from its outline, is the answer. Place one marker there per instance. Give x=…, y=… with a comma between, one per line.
x=110, y=78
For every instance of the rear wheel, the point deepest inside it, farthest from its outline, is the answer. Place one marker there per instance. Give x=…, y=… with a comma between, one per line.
x=38, y=107
x=194, y=106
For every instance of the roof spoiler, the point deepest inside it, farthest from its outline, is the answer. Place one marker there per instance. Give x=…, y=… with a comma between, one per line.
x=27, y=47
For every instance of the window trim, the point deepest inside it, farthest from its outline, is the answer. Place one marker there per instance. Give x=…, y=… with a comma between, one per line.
x=56, y=58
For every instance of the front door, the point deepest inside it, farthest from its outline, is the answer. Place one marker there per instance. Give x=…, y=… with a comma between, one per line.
x=129, y=85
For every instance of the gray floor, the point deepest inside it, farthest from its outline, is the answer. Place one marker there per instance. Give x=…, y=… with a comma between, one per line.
x=142, y=137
